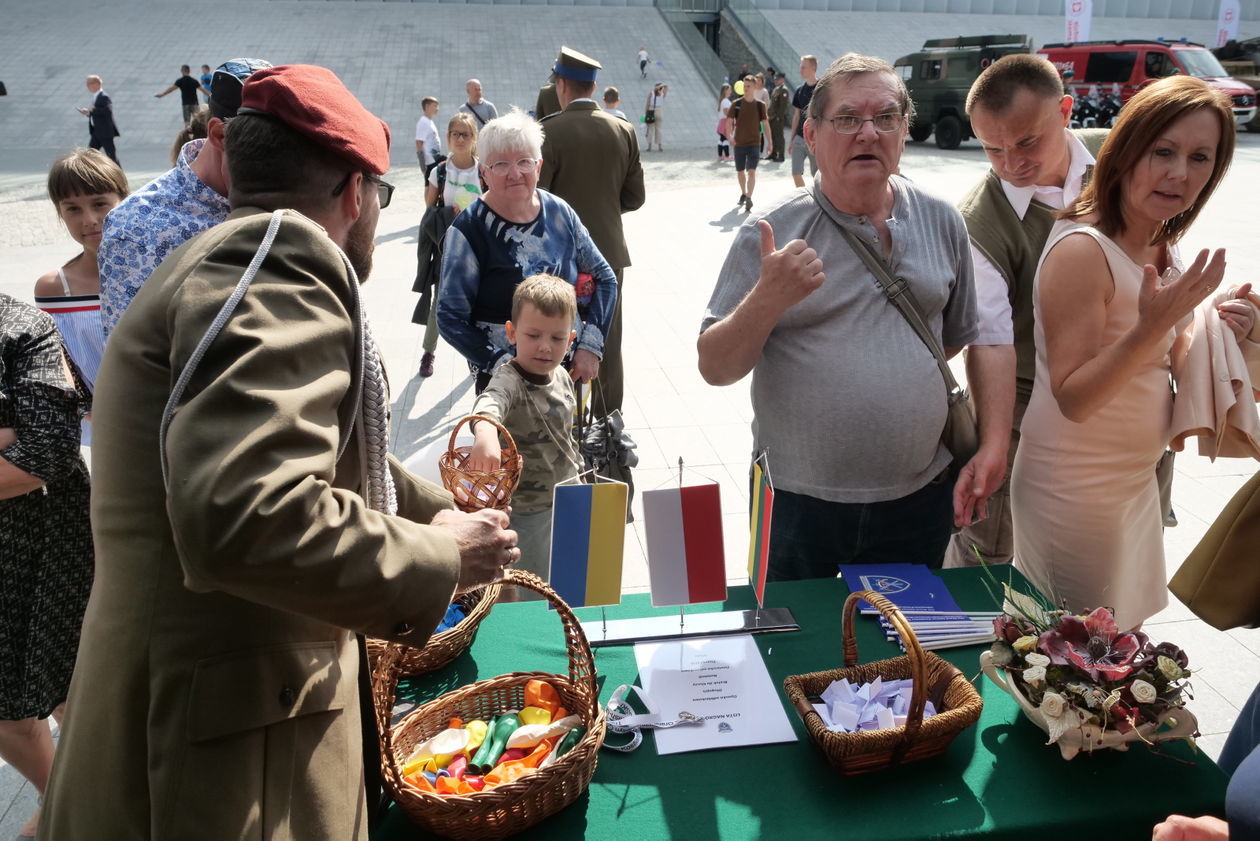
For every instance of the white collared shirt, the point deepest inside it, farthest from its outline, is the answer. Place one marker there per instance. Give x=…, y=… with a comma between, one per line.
x=993, y=304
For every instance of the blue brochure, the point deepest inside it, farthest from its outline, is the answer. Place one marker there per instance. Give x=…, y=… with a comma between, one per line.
x=908, y=586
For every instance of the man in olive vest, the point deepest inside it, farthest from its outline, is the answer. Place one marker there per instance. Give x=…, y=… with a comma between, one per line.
x=1019, y=113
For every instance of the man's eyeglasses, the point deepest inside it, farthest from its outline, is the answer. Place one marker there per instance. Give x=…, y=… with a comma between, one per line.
x=523, y=166
x=384, y=190
x=852, y=123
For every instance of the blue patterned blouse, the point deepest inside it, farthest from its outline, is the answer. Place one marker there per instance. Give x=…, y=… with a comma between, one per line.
x=486, y=257
x=148, y=225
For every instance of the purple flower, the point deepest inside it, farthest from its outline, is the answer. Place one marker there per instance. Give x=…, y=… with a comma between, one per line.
x=1150, y=657
x=1093, y=644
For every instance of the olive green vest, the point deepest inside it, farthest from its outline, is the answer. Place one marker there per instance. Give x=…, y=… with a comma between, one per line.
x=1014, y=246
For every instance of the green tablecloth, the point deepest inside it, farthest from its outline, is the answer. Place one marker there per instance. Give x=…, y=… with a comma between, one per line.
x=998, y=779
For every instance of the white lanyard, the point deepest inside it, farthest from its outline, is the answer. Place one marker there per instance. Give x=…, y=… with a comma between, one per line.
x=623, y=719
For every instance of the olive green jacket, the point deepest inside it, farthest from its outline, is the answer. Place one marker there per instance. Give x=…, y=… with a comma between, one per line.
x=215, y=694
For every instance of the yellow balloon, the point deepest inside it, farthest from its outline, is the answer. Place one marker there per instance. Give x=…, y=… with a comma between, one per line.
x=534, y=715
x=477, y=730
x=739, y=87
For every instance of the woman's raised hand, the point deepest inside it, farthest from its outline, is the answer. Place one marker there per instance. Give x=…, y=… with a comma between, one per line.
x=1238, y=313
x=1161, y=307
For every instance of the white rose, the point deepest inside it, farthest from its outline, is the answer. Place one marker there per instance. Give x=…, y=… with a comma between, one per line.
x=1037, y=659
x=1168, y=668
x=1034, y=675
x=1053, y=704
x=1001, y=653
x=1143, y=692
x=1025, y=644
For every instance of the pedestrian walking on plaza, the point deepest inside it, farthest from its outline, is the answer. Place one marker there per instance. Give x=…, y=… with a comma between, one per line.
x=612, y=103
x=748, y=115
x=482, y=109
x=174, y=207
x=860, y=471
x=84, y=186
x=800, y=112
x=643, y=61
x=252, y=524
x=188, y=88
x=723, y=123
x=428, y=143
x=101, y=126
x=46, y=552
x=780, y=103
x=205, y=79
x=591, y=160
x=653, y=117
x=453, y=185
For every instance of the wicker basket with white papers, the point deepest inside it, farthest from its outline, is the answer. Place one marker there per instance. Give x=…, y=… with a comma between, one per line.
x=957, y=703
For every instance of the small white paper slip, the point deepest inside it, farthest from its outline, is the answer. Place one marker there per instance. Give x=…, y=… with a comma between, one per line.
x=878, y=705
x=724, y=681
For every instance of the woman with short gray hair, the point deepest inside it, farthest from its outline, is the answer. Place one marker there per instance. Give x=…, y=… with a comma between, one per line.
x=512, y=231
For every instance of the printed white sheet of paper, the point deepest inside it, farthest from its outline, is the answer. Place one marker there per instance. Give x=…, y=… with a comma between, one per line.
x=721, y=679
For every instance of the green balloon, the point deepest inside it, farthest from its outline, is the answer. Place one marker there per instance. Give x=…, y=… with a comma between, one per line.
x=570, y=740
x=496, y=742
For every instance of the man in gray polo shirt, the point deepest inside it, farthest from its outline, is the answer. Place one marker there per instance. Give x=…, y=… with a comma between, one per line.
x=848, y=401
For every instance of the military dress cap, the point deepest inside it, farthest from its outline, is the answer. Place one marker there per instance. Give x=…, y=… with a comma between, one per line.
x=227, y=82
x=313, y=101
x=576, y=66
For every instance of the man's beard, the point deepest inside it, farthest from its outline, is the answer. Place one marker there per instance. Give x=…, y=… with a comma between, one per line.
x=360, y=243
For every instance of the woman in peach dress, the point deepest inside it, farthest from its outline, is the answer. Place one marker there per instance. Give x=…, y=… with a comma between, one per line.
x=1110, y=296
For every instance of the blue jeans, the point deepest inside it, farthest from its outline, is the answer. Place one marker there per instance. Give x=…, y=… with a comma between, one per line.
x=810, y=537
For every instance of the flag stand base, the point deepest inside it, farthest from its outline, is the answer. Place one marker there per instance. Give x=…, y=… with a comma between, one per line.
x=656, y=628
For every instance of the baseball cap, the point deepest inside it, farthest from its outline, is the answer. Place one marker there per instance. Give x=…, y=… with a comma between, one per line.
x=226, y=83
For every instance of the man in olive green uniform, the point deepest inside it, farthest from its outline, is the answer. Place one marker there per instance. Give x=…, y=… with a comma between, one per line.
x=591, y=160
x=780, y=105
x=1019, y=114
x=247, y=519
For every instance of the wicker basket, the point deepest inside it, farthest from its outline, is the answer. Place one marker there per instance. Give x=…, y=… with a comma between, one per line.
x=442, y=648
x=512, y=807
x=957, y=703
x=474, y=490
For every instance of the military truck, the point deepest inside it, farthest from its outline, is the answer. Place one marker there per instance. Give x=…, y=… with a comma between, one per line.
x=940, y=75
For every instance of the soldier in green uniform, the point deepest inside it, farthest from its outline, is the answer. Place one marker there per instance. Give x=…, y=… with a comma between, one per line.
x=780, y=105
x=591, y=160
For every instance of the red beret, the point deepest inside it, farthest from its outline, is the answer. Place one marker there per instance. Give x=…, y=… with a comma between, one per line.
x=313, y=101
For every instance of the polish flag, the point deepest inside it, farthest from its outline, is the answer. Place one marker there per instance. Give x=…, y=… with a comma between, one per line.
x=686, y=560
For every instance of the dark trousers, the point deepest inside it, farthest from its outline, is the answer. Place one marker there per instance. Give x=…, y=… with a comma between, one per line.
x=608, y=390
x=106, y=145
x=810, y=537
x=776, y=131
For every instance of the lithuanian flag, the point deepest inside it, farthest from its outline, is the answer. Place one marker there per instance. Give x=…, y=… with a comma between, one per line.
x=759, y=533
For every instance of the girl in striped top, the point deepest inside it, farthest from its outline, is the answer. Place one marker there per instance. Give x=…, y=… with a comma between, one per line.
x=84, y=186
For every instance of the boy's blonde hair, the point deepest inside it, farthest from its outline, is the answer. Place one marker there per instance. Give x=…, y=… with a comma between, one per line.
x=85, y=172
x=548, y=294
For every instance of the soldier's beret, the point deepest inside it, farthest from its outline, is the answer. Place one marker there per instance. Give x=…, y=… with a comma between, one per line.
x=313, y=101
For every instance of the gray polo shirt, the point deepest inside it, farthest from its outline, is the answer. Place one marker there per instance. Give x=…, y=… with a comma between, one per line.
x=847, y=399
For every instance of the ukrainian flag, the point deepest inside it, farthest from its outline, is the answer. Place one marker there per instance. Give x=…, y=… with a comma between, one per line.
x=588, y=530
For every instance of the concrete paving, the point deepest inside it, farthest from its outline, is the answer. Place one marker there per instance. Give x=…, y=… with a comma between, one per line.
x=678, y=241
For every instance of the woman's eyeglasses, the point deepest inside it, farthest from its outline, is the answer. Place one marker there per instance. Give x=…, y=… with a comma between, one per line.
x=461, y=135
x=523, y=166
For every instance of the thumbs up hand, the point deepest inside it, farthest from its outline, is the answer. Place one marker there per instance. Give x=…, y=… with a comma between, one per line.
x=789, y=274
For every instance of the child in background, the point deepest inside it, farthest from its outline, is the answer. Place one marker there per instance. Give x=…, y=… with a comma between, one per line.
x=535, y=403
x=84, y=186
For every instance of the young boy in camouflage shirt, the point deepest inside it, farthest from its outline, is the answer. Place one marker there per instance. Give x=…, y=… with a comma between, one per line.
x=535, y=402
